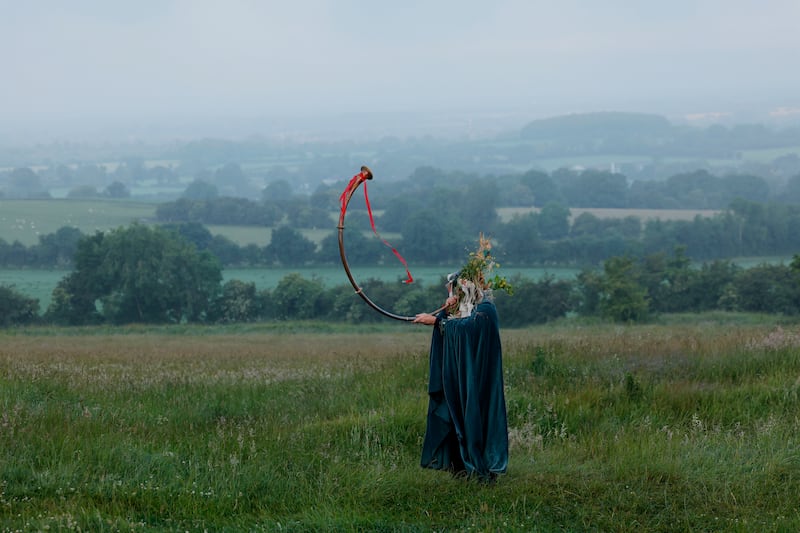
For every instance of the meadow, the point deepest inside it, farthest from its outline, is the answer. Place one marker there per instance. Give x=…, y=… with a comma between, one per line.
x=644, y=215
x=689, y=425
x=26, y=220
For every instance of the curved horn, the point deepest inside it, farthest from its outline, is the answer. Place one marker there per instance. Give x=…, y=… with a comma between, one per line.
x=366, y=174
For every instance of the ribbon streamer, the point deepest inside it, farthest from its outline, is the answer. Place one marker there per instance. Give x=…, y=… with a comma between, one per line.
x=347, y=194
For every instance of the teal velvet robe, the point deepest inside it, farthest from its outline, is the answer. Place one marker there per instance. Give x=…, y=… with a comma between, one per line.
x=467, y=428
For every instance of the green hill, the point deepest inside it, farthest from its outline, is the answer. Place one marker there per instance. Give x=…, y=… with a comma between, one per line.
x=596, y=125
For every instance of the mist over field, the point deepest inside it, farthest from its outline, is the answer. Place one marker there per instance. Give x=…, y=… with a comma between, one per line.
x=154, y=71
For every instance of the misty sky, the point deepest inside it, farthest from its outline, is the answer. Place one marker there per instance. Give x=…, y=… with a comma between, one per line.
x=124, y=60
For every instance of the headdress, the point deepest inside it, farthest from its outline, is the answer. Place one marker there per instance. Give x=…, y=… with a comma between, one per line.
x=473, y=280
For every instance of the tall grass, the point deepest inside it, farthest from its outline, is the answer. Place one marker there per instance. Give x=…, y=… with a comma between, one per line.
x=664, y=428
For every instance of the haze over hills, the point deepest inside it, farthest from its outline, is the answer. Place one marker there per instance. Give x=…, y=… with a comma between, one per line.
x=447, y=124
x=159, y=71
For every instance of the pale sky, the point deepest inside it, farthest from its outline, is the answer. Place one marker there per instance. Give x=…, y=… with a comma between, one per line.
x=118, y=61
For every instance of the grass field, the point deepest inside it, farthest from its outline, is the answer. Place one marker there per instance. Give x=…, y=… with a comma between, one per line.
x=25, y=220
x=262, y=236
x=506, y=213
x=612, y=160
x=691, y=426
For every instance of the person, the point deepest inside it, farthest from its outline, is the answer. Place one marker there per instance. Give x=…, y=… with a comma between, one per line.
x=467, y=427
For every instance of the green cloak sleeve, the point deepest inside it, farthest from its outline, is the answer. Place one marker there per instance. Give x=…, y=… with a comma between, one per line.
x=467, y=428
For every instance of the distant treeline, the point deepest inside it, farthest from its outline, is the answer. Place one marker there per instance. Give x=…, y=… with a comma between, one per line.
x=697, y=189
x=143, y=274
x=650, y=135
x=433, y=232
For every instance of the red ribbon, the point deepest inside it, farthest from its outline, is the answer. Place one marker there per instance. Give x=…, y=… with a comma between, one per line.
x=343, y=199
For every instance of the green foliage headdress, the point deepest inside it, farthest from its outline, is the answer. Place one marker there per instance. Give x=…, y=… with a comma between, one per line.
x=475, y=278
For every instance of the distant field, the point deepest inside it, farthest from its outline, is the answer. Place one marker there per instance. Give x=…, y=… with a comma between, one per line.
x=25, y=220
x=506, y=213
x=37, y=284
x=261, y=236
x=768, y=154
x=550, y=164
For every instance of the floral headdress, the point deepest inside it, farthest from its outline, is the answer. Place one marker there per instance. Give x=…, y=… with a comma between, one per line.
x=473, y=280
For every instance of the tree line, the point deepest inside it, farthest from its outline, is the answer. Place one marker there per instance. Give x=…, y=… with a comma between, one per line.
x=433, y=232
x=147, y=274
x=579, y=188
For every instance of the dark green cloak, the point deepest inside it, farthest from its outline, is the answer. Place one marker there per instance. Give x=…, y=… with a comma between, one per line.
x=467, y=428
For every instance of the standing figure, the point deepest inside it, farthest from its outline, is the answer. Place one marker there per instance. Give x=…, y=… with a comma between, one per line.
x=467, y=428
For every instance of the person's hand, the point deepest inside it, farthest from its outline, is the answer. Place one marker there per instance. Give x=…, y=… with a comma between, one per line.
x=450, y=301
x=425, y=318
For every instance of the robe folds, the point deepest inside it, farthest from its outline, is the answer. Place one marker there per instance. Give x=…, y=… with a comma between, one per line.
x=467, y=427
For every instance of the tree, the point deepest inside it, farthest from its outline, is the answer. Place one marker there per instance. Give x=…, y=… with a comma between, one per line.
x=745, y=186
x=289, y=247
x=162, y=175
x=478, y=207
x=239, y=302
x=117, y=190
x=395, y=215
x=277, y=191
x=298, y=298
x=536, y=302
x=360, y=249
x=200, y=190
x=427, y=177
x=137, y=274
x=231, y=179
x=696, y=190
x=669, y=281
x=520, y=239
x=229, y=253
x=74, y=300
x=57, y=249
x=24, y=183
x=650, y=194
x=553, y=221
x=586, y=225
x=795, y=264
x=768, y=289
x=192, y=232
x=622, y=298
x=311, y=218
x=544, y=189
x=222, y=210
x=16, y=309
x=326, y=197
x=713, y=282
x=432, y=238
x=593, y=188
